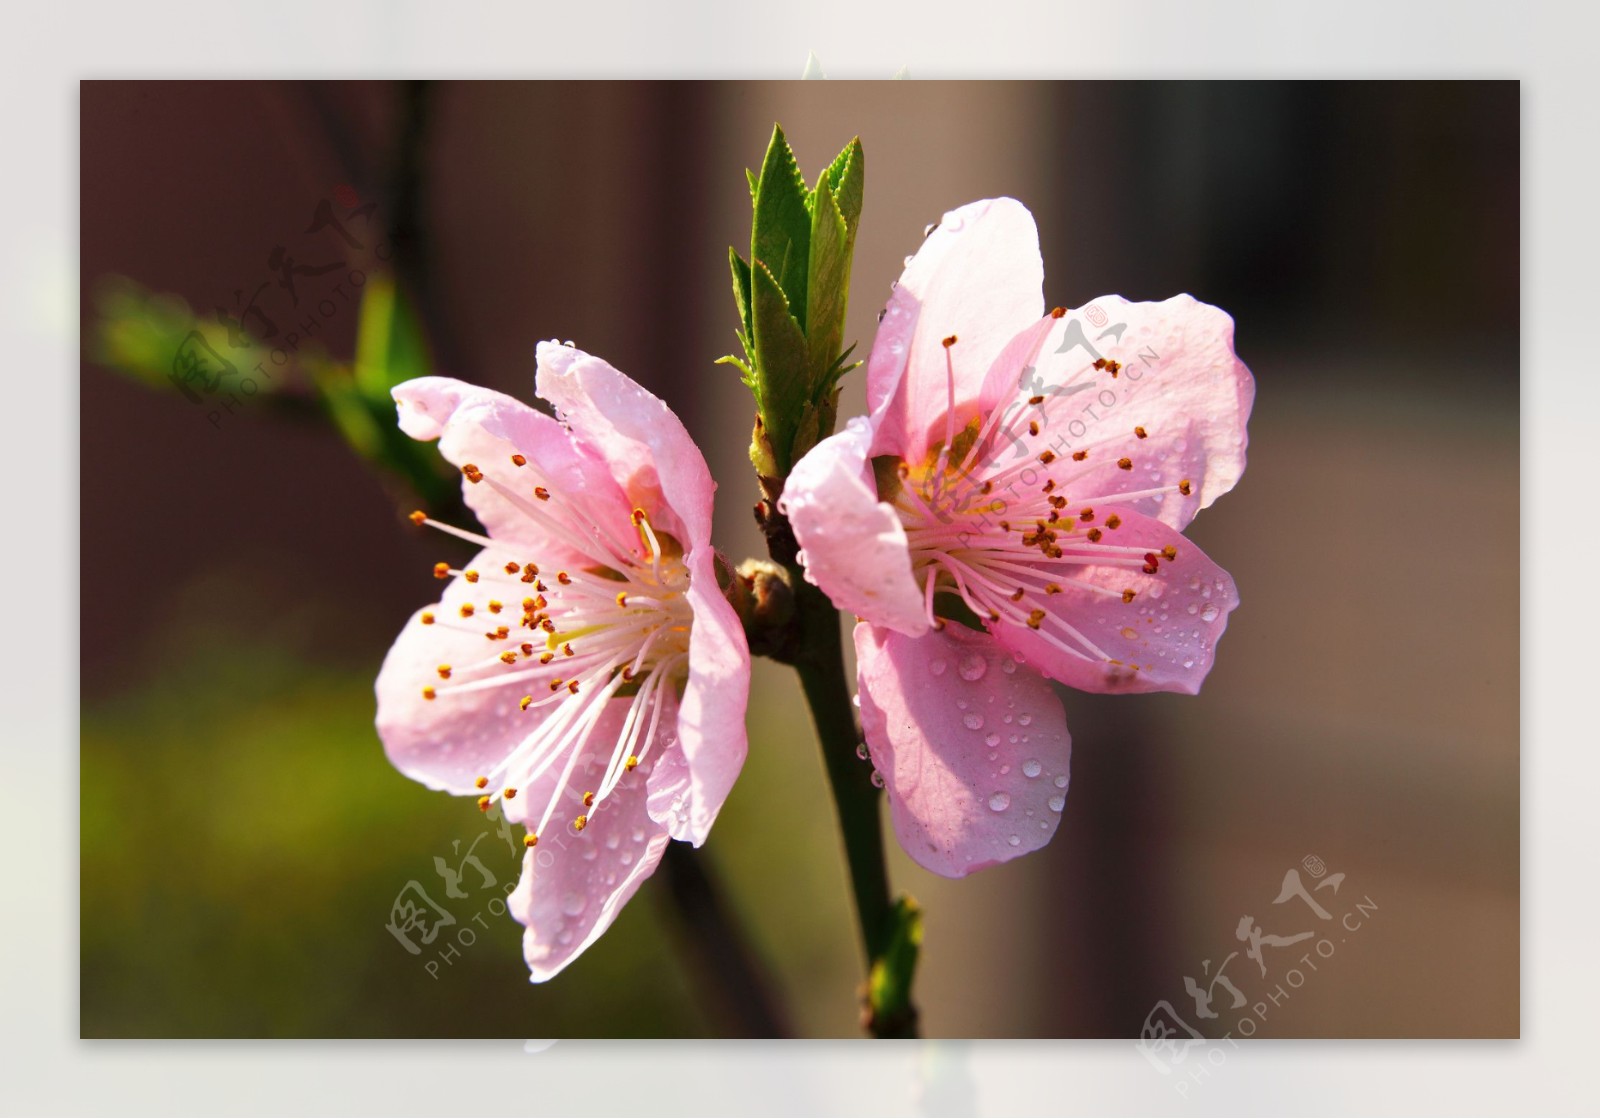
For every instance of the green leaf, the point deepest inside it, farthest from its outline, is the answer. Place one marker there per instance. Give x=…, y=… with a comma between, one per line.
x=390, y=347
x=782, y=373
x=847, y=178
x=750, y=177
x=829, y=283
x=780, y=233
x=741, y=296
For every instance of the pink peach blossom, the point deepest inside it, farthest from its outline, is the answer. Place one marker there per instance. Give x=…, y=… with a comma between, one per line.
x=583, y=670
x=1030, y=473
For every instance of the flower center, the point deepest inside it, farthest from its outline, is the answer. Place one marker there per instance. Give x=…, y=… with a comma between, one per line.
x=612, y=627
x=1005, y=541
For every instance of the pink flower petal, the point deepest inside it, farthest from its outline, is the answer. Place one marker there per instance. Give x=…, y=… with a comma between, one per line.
x=650, y=453
x=967, y=788
x=575, y=883
x=854, y=545
x=690, y=782
x=1179, y=382
x=448, y=741
x=1162, y=641
x=485, y=428
x=979, y=277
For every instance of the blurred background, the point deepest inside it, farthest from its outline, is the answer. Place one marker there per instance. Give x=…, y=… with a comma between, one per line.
x=243, y=837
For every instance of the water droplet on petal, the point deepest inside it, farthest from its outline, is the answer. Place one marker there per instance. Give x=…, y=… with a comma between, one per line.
x=862, y=752
x=573, y=904
x=972, y=720
x=1061, y=781
x=972, y=667
x=937, y=666
x=906, y=263
x=1057, y=803
x=1015, y=841
x=953, y=222
x=1032, y=768
x=1024, y=719
x=999, y=802
x=877, y=780
x=1209, y=614
x=991, y=739
x=1008, y=666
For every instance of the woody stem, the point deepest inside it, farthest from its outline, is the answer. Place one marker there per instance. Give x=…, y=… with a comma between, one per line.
x=819, y=660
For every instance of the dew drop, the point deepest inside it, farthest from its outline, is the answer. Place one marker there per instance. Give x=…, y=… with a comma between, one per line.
x=1057, y=803
x=877, y=780
x=1008, y=666
x=937, y=666
x=972, y=667
x=1209, y=614
x=1024, y=719
x=972, y=720
x=906, y=263
x=1061, y=781
x=991, y=739
x=572, y=904
x=999, y=802
x=862, y=752
x=953, y=222
x=1032, y=768
x=1015, y=841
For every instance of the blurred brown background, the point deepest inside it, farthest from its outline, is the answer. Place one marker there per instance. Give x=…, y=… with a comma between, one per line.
x=243, y=837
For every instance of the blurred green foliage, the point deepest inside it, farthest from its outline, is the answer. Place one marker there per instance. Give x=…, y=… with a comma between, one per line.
x=244, y=837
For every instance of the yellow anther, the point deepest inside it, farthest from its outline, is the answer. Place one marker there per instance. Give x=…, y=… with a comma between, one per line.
x=482, y=782
x=1052, y=588
x=470, y=576
x=1048, y=457
x=1128, y=595
x=483, y=803
x=1113, y=521
x=572, y=686
x=622, y=598
x=429, y=693
x=632, y=762
x=563, y=578
x=530, y=840
x=494, y=606
x=950, y=341
x=541, y=493
x=444, y=672
x=588, y=800
x=1124, y=464
x=419, y=517
x=508, y=657
x=518, y=460
x=525, y=702
x=512, y=569
x=1170, y=552
x=1094, y=536
x=509, y=794
x=1036, y=619
x=580, y=823
x=1184, y=488
x=638, y=517
x=441, y=571
x=427, y=618
x=1141, y=432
